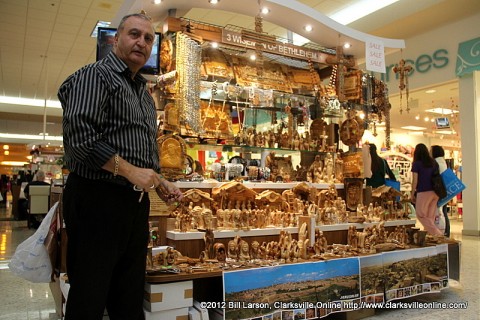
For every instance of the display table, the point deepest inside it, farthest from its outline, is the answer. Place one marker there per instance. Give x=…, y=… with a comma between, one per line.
x=210, y=286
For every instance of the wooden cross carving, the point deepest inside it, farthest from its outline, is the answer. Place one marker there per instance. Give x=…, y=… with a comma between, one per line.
x=341, y=63
x=402, y=70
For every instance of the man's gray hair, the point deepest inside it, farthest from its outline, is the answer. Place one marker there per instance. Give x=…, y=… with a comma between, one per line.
x=138, y=15
x=40, y=175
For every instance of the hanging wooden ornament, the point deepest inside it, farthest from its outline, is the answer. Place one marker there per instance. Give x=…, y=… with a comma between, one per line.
x=318, y=109
x=402, y=69
x=342, y=64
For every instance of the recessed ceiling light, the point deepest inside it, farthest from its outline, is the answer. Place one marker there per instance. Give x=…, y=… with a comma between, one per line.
x=157, y=1
x=445, y=131
x=414, y=128
x=347, y=45
x=214, y=44
x=265, y=10
x=417, y=117
x=13, y=163
x=443, y=111
x=253, y=57
x=214, y=1
x=308, y=28
x=431, y=91
x=359, y=10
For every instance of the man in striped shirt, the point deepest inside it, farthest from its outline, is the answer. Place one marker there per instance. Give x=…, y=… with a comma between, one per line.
x=109, y=128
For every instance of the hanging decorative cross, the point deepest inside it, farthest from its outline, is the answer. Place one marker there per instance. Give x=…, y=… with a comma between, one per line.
x=402, y=69
x=258, y=46
x=342, y=63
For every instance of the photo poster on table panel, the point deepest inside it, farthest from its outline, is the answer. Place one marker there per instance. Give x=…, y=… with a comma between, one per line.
x=416, y=271
x=372, y=279
x=453, y=185
x=307, y=290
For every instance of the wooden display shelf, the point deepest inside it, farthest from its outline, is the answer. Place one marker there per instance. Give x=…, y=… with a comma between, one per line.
x=252, y=185
x=191, y=244
x=221, y=234
x=157, y=277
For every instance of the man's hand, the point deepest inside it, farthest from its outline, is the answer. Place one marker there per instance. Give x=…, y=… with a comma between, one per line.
x=168, y=192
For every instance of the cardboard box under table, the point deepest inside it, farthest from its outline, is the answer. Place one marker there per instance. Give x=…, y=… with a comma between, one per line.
x=167, y=296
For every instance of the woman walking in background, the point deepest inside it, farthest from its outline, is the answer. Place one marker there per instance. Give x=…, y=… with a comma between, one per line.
x=423, y=195
x=439, y=155
x=379, y=169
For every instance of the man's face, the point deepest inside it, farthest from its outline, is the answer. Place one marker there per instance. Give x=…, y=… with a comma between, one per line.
x=133, y=43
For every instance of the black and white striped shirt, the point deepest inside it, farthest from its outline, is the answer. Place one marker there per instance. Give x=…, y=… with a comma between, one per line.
x=106, y=112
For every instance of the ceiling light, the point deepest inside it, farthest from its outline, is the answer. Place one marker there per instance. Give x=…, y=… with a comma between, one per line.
x=30, y=102
x=6, y=152
x=443, y=111
x=13, y=163
x=445, y=131
x=102, y=24
x=308, y=28
x=359, y=10
x=426, y=119
x=29, y=136
x=214, y=1
x=265, y=10
x=253, y=57
x=6, y=147
x=431, y=91
x=414, y=128
x=157, y=1
x=417, y=117
x=347, y=45
x=214, y=45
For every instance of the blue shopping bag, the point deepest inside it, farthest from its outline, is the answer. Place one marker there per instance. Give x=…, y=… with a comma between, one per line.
x=453, y=185
x=393, y=184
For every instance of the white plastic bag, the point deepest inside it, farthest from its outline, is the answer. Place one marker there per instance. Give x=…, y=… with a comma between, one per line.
x=440, y=219
x=30, y=260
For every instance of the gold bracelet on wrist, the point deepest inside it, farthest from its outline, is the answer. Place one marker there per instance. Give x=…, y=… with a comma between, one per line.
x=117, y=164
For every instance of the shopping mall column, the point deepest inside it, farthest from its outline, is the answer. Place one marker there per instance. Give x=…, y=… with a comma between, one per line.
x=469, y=89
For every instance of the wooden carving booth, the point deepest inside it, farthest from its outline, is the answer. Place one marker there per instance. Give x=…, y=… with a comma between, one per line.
x=215, y=89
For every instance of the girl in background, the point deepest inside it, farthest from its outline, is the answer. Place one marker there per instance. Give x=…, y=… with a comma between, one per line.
x=423, y=196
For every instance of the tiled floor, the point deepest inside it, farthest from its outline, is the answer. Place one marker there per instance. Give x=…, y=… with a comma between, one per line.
x=23, y=300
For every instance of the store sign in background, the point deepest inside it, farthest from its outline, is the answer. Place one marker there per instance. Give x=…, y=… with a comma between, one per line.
x=468, y=57
x=235, y=38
